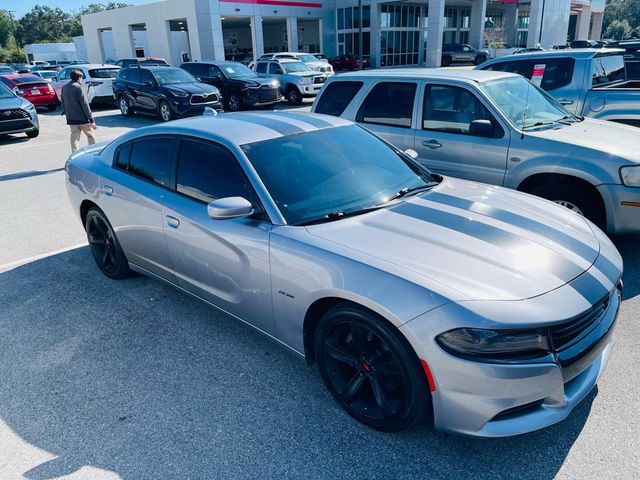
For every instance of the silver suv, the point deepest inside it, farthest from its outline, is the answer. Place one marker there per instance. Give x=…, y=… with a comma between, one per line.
x=498, y=128
x=297, y=80
x=308, y=58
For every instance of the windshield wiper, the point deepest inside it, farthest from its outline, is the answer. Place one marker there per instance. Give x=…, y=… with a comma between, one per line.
x=337, y=215
x=539, y=124
x=407, y=190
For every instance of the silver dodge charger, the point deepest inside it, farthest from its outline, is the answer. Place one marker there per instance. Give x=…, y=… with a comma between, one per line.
x=488, y=310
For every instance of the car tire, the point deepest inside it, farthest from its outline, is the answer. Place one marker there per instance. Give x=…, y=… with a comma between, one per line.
x=125, y=106
x=582, y=200
x=104, y=245
x=370, y=369
x=480, y=59
x=446, y=61
x=52, y=108
x=234, y=103
x=164, y=110
x=293, y=96
x=33, y=133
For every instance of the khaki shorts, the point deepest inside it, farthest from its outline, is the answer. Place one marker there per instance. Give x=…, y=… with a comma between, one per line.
x=77, y=130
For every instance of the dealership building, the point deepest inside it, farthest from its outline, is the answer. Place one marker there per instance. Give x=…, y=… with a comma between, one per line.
x=394, y=33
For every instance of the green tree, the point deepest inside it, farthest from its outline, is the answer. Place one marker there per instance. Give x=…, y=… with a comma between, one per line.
x=43, y=25
x=6, y=28
x=618, y=11
x=618, y=30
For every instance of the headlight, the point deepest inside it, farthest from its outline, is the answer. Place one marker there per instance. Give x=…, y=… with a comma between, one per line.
x=30, y=106
x=630, y=176
x=494, y=343
x=306, y=80
x=179, y=94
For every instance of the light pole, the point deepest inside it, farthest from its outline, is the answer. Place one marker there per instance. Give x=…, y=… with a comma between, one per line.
x=360, y=34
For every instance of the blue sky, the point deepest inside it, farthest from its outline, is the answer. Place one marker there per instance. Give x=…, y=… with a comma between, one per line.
x=23, y=6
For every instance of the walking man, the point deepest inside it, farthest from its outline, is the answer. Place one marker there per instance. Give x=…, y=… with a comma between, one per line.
x=75, y=105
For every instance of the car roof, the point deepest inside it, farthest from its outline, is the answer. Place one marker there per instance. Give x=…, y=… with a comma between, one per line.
x=12, y=76
x=241, y=128
x=477, y=76
x=91, y=66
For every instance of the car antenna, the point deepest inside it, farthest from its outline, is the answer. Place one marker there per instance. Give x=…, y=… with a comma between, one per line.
x=209, y=112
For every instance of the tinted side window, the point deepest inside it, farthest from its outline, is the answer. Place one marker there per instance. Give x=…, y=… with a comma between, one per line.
x=122, y=159
x=607, y=69
x=151, y=159
x=64, y=74
x=207, y=172
x=275, y=69
x=124, y=74
x=389, y=103
x=521, y=67
x=558, y=72
x=135, y=75
x=146, y=76
x=336, y=97
x=451, y=109
x=262, y=67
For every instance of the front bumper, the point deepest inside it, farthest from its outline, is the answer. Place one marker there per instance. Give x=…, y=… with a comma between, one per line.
x=28, y=124
x=43, y=100
x=498, y=399
x=622, y=218
x=188, y=109
x=256, y=97
x=310, y=90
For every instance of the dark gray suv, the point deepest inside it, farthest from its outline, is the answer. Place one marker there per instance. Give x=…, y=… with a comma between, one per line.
x=462, y=53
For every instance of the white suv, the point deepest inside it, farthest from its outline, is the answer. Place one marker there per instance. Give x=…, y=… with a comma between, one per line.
x=98, y=80
x=308, y=58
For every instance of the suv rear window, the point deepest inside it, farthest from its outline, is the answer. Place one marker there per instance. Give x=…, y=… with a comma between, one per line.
x=558, y=72
x=389, y=103
x=336, y=96
x=104, y=72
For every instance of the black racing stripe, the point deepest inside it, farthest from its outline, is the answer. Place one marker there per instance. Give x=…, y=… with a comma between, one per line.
x=569, y=242
x=558, y=265
x=310, y=119
x=608, y=268
x=279, y=126
x=589, y=287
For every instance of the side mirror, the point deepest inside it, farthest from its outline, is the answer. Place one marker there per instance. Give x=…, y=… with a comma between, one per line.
x=412, y=153
x=199, y=79
x=482, y=128
x=229, y=207
x=54, y=79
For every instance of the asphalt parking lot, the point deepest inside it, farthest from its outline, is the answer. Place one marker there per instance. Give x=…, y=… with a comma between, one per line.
x=103, y=379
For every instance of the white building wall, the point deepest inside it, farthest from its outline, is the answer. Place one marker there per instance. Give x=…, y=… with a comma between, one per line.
x=81, y=47
x=52, y=51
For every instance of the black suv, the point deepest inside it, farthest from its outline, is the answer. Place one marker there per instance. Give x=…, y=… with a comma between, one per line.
x=240, y=86
x=165, y=91
x=462, y=53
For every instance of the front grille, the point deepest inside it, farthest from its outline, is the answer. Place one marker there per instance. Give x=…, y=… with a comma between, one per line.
x=319, y=79
x=268, y=94
x=12, y=125
x=16, y=114
x=202, y=99
x=563, y=334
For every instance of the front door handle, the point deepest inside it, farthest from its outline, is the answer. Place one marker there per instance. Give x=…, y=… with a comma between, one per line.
x=432, y=144
x=173, y=222
x=565, y=101
x=108, y=190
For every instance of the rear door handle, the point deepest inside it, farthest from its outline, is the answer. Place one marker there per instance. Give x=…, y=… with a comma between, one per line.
x=565, y=101
x=173, y=222
x=108, y=190
x=432, y=144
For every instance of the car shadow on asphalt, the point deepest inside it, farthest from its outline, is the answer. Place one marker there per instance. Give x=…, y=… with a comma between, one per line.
x=13, y=139
x=136, y=378
x=629, y=248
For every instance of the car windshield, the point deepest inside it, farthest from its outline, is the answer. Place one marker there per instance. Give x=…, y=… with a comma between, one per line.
x=295, y=67
x=5, y=92
x=103, y=72
x=172, y=76
x=525, y=104
x=307, y=58
x=235, y=70
x=345, y=169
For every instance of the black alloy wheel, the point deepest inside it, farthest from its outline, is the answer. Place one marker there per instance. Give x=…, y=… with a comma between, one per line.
x=104, y=245
x=370, y=369
x=293, y=96
x=234, y=104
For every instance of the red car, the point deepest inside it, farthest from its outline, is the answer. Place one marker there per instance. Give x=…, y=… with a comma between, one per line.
x=349, y=62
x=32, y=88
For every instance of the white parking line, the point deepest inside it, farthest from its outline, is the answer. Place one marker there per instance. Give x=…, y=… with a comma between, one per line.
x=10, y=266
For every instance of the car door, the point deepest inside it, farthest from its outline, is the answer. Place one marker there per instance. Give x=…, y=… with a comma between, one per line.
x=145, y=91
x=63, y=77
x=443, y=139
x=215, y=77
x=132, y=193
x=226, y=262
x=388, y=110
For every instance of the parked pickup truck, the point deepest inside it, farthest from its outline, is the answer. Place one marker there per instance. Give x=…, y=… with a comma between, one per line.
x=588, y=82
x=497, y=128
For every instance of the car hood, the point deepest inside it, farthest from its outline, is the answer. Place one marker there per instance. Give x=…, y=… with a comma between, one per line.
x=485, y=242
x=13, y=102
x=304, y=74
x=197, y=88
x=612, y=139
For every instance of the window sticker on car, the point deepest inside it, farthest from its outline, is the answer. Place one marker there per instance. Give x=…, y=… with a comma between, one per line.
x=538, y=73
x=230, y=70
